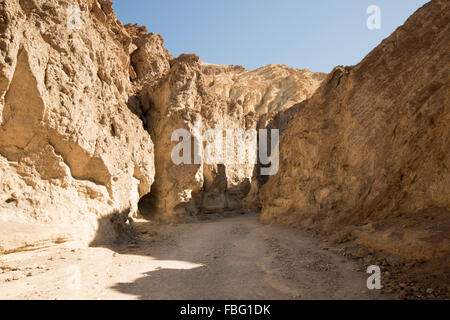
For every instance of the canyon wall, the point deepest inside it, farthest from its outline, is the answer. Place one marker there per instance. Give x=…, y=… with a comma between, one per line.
x=367, y=156
x=71, y=152
x=185, y=93
x=181, y=100
x=197, y=97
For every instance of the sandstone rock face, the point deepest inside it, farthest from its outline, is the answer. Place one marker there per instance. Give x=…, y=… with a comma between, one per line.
x=71, y=152
x=371, y=145
x=216, y=97
x=271, y=88
x=182, y=100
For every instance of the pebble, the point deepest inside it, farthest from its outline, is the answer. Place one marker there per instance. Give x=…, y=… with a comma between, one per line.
x=430, y=291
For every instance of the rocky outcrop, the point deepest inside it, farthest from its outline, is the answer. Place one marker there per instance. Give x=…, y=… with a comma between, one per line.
x=183, y=101
x=185, y=93
x=368, y=154
x=272, y=88
x=71, y=152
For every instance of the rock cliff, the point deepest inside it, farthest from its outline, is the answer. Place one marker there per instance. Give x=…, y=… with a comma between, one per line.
x=367, y=156
x=183, y=101
x=71, y=152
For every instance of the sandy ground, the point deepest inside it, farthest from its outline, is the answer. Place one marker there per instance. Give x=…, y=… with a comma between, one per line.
x=226, y=258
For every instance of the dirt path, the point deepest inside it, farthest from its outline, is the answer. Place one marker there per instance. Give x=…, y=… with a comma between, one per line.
x=232, y=258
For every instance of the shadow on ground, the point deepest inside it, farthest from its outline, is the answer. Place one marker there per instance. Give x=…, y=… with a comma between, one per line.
x=170, y=273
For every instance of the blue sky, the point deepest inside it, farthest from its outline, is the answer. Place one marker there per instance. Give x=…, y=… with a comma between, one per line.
x=313, y=34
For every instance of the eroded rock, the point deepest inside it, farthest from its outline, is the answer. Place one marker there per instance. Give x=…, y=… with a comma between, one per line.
x=71, y=152
x=272, y=88
x=372, y=143
x=182, y=100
